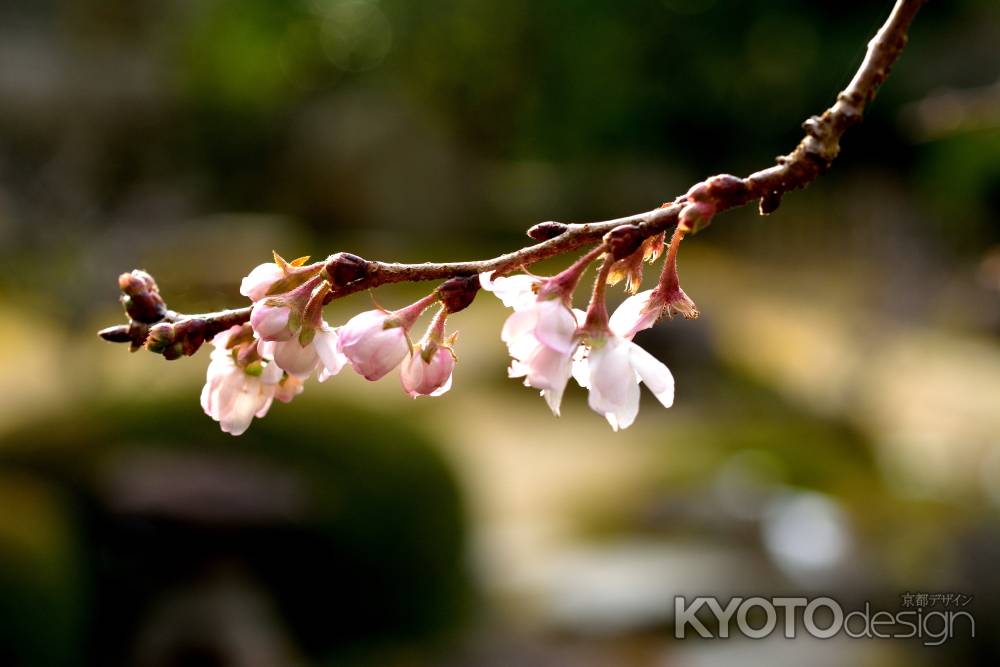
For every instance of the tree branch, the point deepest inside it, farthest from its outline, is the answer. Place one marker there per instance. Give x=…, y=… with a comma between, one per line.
x=813, y=155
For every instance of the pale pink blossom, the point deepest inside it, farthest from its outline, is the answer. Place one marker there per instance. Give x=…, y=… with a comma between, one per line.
x=259, y=281
x=234, y=395
x=429, y=376
x=331, y=359
x=271, y=320
x=301, y=360
x=612, y=370
x=634, y=314
x=544, y=367
x=541, y=333
x=547, y=370
x=372, y=345
x=517, y=292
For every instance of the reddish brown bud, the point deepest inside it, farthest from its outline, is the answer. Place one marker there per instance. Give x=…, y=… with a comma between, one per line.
x=191, y=334
x=343, y=268
x=544, y=231
x=137, y=332
x=624, y=240
x=176, y=340
x=115, y=334
x=457, y=293
x=160, y=337
x=141, y=298
x=698, y=192
x=695, y=216
x=727, y=190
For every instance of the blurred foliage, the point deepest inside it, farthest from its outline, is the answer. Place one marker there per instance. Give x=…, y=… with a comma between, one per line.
x=337, y=497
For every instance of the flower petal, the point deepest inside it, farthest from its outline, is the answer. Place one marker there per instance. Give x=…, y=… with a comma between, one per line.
x=629, y=318
x=556, y=325
x=654, y=373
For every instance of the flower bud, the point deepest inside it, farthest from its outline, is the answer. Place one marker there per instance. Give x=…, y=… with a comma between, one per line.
x=191, y=334
x=695, y=216
x=624, y=240
x=427, y=371
x=457, y=293
x=258, y=282
x=141, y=298
x=343, y=268
x=162, y=339
x=544, y=231
x=270, y=319
x=116, y=334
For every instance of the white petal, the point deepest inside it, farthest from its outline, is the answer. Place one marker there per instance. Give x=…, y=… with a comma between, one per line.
x=628, y=319
x=556, y=325
x=628, y=409
x=514, y=291
x=326, y=343
x=581, y=369
x=295, y=359
x=654, y=373
x=611, y=376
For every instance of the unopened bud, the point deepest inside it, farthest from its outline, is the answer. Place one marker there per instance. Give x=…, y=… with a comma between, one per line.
x=695, y=216
x=544, y=231
x=174, y=340
x=698, y=192
x=115, y=334
x=136, y=282
x=457, y=293
x=141, y=298
x=343, y=268
x=191, y=334
x=160, y=337
x=624, y=240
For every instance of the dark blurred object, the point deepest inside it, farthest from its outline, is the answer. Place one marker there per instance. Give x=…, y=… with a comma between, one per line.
x=318, y=533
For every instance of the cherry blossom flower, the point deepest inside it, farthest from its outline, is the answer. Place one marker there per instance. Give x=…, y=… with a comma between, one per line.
x=541, y=333
x=428, y=371
x=278, y=277
x=259, y=281
x=271, y=321
x=544, y=366
x=518, y=292
x=234, y=394
x=300, y=360
x=612, y=370
x=375, y=341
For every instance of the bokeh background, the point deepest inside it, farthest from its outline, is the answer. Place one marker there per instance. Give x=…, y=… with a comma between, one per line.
x=837, y=426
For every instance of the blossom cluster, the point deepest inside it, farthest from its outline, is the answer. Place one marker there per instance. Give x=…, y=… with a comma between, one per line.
x=286, y=340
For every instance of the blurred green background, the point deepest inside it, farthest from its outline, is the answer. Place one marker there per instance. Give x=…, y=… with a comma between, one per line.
x=837, y=427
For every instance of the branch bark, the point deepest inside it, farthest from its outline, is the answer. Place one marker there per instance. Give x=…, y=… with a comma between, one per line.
x=813, y=155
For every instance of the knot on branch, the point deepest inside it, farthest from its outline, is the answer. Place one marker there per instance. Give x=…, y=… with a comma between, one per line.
x=544, y=231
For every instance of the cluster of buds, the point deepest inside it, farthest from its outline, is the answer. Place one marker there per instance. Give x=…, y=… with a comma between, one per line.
x=287, y=340
x=143, y=305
